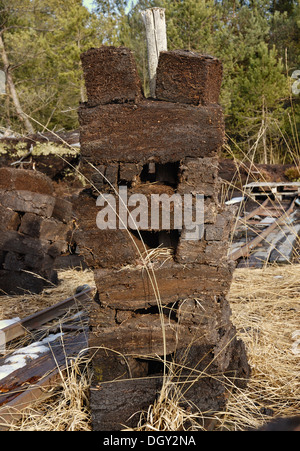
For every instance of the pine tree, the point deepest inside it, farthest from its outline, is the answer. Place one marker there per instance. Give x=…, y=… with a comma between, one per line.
x=43, y=41
x=10, y=20
x=255, y=84
x=283, y=6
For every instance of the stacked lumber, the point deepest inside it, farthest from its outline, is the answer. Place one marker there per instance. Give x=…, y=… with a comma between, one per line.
x=165, y=146
x=34, y=226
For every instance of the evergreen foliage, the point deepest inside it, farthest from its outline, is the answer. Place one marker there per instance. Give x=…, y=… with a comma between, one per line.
x=258, y=42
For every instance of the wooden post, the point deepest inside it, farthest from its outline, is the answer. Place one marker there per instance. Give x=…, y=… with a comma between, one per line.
x=2, y=83
x=156, y=34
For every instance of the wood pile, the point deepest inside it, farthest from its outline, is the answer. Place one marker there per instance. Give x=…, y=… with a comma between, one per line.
x=268, y=234
x=34, y=227
x=168, y=145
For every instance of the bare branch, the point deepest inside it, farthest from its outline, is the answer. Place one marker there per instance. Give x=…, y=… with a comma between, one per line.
x=14, y=95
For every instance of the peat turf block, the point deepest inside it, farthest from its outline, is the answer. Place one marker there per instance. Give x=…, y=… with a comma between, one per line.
x=160, y=131
x=199, y=175
x=213, y=253
x=101, y=248
x=45, y=228
x=18, y=283
x=188, y=77
x=18, y=262
x=9, y=219
x=184, y=323
x=12, y=241
x=117, y=403
x=202, y=330
x=223, y=226
x=63, y=210
x=28, y=202
x=132, y=288
x=111, y=76
x=106, y=248
x=23, y=180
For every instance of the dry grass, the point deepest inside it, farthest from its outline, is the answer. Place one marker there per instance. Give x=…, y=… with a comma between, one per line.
x=266, y=308
x=266, y=313
x=25, y=305
x=67, y=408
x=167, y=413
x=265, y=305
x=151, y=259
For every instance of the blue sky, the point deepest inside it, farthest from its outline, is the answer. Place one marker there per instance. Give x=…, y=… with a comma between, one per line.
x=89, y=3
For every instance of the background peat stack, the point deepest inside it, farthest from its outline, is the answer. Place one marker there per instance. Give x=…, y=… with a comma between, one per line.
x=55, y=155
x=34, y=227
x=168, y=145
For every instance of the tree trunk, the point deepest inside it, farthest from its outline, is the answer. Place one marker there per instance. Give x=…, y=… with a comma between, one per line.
x=12, y=89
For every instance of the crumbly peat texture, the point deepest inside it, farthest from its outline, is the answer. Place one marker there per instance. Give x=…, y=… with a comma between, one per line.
x=187, y=77
x=160, y=287
x=111, y=76
x=162, y=131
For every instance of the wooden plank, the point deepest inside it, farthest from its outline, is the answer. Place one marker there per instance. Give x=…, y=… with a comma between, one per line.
x=34, y=321
x=255, y=212
x=254, y=261
x=272, y=212
x=279, y=190
x=277, y=247
x=283, y=251
x=278, y=195
x=271, y=184
x=247, y=249
x=27, y=385
x=12, y=412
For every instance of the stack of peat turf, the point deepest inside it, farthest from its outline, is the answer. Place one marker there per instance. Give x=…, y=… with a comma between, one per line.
x=34, y=225
x=160, y=292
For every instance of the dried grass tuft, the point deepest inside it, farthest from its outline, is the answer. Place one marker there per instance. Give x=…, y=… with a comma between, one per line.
x=28, y=304
x=266, y=308
x=67, y=408
x=151, y=259
x=167, y=413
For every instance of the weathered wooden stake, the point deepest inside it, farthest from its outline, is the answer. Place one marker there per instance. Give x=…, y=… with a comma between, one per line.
x=2, y=83
x=156, y=34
